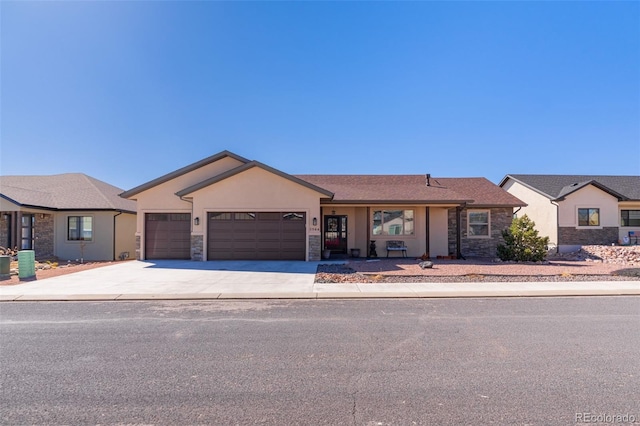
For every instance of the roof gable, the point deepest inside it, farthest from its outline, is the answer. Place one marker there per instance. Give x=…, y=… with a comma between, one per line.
x=245, y=167
x=68, y=191
x=556, y=187
x=182, y=171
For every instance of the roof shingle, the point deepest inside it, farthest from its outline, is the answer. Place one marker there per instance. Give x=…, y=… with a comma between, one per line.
x=558, y=186
x=68, y=191
x=412, y=188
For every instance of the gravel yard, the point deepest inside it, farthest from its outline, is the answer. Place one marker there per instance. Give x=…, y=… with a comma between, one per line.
x=472, y=270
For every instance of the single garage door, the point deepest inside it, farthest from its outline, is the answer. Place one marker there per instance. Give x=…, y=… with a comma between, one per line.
x=167, y=236
x=256, y=236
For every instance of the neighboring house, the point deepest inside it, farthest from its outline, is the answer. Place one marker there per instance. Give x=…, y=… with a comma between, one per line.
x=68, y=216
x=577, y=210
x=228, y=207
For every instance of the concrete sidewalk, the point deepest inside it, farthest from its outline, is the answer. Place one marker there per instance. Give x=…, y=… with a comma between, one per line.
x=268, y=280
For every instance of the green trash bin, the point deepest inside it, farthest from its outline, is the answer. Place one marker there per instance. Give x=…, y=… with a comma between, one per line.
x=26, y=264
x=5, y=265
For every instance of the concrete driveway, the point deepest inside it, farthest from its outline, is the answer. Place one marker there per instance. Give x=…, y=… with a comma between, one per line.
x=174, y=279
x=183, y=277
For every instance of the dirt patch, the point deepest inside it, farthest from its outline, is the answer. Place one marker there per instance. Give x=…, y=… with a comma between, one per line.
x=52, y=269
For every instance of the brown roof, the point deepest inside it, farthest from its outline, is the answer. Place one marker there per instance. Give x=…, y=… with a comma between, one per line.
x=68, y=191
x=413, y=189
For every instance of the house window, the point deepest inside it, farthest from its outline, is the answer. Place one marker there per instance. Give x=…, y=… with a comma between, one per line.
x=27, y=232
x=80, y=228
x=588, y=217
x=478, y=223
x=630, y=217
x=392, y=222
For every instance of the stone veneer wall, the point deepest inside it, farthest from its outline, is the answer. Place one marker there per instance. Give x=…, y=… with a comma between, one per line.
x=197, y=247
x=4, y=232
x=138, y=254
x=582, y=237
x=500, y=219
x=315, y=245
x=43, y=234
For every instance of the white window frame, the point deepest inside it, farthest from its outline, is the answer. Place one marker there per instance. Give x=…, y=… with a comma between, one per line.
x=82, y=240
x=404, y=222
x=488, y=223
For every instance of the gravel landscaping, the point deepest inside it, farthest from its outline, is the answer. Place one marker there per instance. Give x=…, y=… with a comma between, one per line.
x=593, y=263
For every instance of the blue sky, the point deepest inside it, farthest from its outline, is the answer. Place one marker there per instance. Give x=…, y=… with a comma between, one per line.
x=128, y=91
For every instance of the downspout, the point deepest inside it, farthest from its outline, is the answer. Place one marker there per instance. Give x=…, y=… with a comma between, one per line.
x=191, y=236
x=557, y=225
x=114, y=234
x=516, y=212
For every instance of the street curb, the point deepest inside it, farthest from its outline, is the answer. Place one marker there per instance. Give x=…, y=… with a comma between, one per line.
x=321, y=295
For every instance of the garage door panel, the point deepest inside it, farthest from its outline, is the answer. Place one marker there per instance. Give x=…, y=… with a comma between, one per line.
x=260, y=236
x=167, y=236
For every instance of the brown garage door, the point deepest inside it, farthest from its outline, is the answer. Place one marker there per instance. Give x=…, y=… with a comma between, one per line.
x=167, y=236
x=256, y=236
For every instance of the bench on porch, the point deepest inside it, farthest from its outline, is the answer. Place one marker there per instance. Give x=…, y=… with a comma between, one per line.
x=395, y=245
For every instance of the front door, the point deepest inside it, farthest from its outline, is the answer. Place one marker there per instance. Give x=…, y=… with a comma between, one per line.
x=335, y=234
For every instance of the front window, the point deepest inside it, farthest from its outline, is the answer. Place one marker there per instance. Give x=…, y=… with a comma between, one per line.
x=588, y=217
x=80, y=228
x=630, y=217
x=478, y=223
x=27, y=232
x=392, y=222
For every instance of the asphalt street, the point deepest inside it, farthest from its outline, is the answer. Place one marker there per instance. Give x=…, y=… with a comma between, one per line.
x=524, y=361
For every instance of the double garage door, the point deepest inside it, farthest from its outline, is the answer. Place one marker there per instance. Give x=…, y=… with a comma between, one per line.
x=256, y=236
x=231, y=236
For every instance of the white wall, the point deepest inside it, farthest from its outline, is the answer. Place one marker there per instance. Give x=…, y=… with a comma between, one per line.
x=438, y=232
x=256, y=190
x=539, y=209
x=624, y=231
x=589, y=197
x=162, y=198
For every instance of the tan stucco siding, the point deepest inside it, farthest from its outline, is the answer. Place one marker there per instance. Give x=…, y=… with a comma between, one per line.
x=624, y=231
x=359, y=224
x=352, y=235
x=360, y=230
x=539, y=209
x=126, y=235
x=99, y=248
x=163, y=198
x=255, y=190
x=438, y=232
x=416, y=243
x=589, y=197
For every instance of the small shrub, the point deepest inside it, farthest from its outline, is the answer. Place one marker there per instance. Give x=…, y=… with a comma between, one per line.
x=522, y=243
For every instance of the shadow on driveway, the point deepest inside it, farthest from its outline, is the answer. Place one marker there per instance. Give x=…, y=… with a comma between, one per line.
x=278, y=266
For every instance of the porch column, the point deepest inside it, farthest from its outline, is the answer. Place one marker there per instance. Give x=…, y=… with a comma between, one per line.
x=427, y=249
x=458, y=232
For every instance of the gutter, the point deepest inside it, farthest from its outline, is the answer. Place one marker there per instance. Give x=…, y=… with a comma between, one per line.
x=114, y=234
x=516, y=212
x=557, y=224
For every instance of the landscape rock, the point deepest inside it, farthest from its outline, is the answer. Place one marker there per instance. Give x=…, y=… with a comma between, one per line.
x=426, y=264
